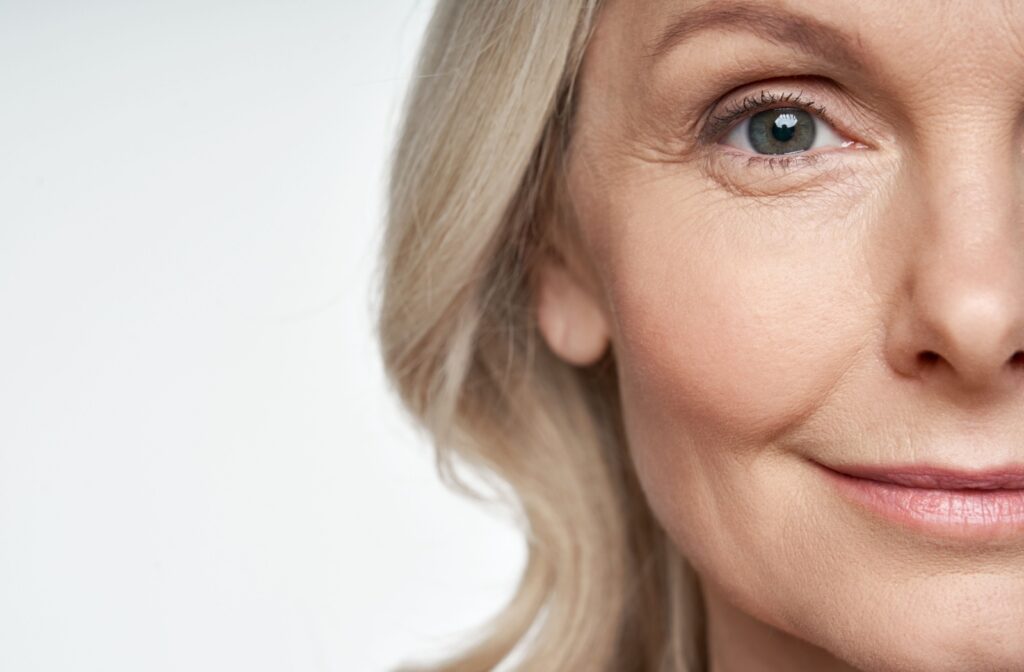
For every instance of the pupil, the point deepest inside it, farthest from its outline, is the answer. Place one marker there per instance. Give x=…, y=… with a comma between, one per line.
x=784, y=127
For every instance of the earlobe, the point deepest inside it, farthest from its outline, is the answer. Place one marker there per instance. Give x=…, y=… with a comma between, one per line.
x=569, y=317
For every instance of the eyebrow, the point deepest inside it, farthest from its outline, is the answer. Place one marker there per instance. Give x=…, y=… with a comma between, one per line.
x=775, y=25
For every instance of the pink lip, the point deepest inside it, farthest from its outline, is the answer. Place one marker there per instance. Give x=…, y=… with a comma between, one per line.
x=978, y=505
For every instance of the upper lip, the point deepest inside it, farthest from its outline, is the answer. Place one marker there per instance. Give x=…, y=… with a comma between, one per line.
x=937, y=478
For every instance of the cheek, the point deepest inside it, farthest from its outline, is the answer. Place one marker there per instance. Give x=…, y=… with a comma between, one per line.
x=729, y=331
x=735, y=336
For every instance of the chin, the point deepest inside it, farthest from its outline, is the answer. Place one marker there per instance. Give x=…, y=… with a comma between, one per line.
x=952, y=624
x=958, y=654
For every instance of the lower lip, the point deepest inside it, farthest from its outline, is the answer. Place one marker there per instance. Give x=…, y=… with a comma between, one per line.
x=962, y=513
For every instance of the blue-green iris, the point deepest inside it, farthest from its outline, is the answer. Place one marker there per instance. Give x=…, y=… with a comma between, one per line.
x=781, y=131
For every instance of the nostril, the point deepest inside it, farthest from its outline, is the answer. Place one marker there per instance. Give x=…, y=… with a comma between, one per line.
x=1017, y=359
x=927, y=357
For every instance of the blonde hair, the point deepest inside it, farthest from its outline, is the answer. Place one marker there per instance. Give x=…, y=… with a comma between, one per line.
x=476, y=175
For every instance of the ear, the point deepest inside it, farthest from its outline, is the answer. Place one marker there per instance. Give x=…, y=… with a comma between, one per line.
x=569, y=317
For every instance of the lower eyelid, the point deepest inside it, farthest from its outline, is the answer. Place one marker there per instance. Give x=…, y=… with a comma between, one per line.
x=752, y=159
x=749, y=175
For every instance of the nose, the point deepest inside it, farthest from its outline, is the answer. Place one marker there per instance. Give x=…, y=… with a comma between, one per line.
x=958, y=319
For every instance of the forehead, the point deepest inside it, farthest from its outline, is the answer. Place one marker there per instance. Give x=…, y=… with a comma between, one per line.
x=891, y=37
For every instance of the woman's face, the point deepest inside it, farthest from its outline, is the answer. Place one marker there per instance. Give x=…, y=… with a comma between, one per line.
x=803, y=228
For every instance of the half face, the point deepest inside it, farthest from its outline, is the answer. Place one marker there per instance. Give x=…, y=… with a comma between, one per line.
x=804, y=224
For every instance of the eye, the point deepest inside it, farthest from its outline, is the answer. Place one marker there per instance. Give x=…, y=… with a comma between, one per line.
x=783, y=130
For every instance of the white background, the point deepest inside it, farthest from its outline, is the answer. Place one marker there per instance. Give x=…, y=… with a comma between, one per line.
x=201, y=467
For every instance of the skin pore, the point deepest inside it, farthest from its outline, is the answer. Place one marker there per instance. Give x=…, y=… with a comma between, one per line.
x=857, y=302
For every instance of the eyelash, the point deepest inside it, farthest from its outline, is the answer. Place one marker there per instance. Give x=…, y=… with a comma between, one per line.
x=720, y=124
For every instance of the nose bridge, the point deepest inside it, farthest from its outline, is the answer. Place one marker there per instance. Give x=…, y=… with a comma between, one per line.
x=961, y=319
x=971, y=240
x=972, y=174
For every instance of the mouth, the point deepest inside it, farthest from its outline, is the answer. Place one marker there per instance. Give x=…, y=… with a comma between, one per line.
x=949, y=503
